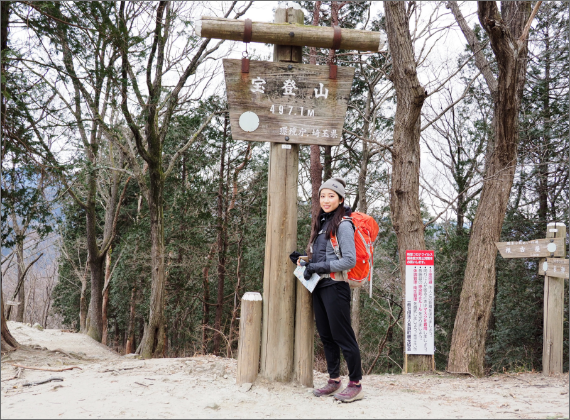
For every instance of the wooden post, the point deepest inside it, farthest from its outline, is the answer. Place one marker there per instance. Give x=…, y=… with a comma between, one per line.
x=304, y=337
x=279, y=283
x=553, y=312
x=249, y=334
x=304, y=351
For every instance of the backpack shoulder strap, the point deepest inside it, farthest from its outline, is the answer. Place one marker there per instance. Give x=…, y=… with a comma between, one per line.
x=334, y=241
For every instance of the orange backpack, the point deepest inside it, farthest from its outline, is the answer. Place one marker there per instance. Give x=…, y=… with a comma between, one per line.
x=365, y=233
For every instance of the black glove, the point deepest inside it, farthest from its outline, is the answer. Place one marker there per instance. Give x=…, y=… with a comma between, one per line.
x=308, y=272
x=319, y=268
x=294, y=257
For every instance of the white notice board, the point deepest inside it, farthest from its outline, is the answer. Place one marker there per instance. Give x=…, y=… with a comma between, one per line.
x=419, y=302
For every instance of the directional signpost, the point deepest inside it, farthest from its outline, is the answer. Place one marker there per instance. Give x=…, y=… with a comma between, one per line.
x=532, y=249
x=555, y=267
x=555, y=270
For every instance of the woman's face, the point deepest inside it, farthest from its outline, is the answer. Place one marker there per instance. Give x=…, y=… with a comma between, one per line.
x=329, y=200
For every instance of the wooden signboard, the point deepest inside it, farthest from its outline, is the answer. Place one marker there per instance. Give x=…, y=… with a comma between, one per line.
x=554, y=267
x=553, y=247
x=287, y=102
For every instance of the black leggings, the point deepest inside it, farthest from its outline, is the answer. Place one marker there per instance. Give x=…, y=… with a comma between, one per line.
x=332, y=314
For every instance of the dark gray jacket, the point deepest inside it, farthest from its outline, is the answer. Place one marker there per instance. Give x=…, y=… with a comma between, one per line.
x=323, y=250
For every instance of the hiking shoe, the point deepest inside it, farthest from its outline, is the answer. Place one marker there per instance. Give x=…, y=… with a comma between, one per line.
x=351, y=393
x=328, y=389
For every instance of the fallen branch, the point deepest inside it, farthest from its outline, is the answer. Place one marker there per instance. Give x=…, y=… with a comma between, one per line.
x=141, y=384
x=16, y=376
x=45, y=369
x=43, y=382
x=125, y=368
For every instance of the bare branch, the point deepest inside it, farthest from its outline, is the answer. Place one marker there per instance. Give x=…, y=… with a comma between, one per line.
x=187, y=145
x=453, y=104
x=526, y=29
x=480, y=60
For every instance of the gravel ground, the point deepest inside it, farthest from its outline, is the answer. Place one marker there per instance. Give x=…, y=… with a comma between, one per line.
x=111, y=386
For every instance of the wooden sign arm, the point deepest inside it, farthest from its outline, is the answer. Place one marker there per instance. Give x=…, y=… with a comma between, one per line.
x=290, y=34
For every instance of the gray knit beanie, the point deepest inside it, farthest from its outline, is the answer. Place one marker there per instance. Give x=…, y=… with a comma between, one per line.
x=335, y=184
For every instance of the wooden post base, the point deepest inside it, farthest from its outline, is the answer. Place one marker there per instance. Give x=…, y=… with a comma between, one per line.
x=553, y=342
x=249, y=336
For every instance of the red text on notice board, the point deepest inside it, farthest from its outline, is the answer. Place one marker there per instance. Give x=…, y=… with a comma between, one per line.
x=419, y=257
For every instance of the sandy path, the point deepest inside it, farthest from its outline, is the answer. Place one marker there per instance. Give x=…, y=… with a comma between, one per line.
x=112, y=386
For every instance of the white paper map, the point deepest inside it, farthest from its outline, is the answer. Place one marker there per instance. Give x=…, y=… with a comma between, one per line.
x=309, y=284
x=419, y=302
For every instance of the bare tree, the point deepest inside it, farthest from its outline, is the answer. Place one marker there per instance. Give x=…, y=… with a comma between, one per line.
x=156, y=112
x=508, y=33
x=81, y=80
x=404, y=191
x=459, y=149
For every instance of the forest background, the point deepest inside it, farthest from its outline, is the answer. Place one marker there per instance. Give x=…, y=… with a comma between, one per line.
x=116, y=137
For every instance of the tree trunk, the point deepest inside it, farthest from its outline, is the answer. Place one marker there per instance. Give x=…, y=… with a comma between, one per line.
x=96, y=261
x=460, y=213
x=83, y=307
x=404, y=191
x=544, y=151
x=205, y=299
x=467, y=353
x=8, y=343
x=236, y=291
x=221, y=245
x=316, y=166
x=335, y=7
x=21, y=296
x=363, y=208
x=328, y=163
x=153, y=339
x=105, y=303
x=94, y=320
x=131, y=346
x=4, y=20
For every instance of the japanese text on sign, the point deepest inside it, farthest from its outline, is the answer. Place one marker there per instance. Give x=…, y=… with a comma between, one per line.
x=294, y=103
x=419, y=300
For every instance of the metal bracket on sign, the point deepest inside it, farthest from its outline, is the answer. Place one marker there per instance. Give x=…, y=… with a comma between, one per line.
x=337, y=38
x=247, y=31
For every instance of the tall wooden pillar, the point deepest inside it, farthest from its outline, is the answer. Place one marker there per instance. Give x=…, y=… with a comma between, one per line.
x=279, y=283
x=553, y=342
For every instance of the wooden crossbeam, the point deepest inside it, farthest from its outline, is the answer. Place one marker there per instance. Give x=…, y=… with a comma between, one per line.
x=290, y=34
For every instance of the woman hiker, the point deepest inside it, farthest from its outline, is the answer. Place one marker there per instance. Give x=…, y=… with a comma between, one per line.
x=331, y=298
